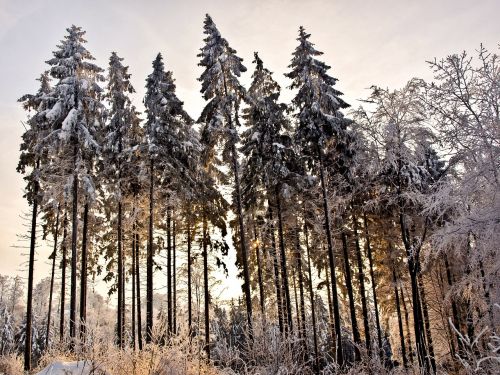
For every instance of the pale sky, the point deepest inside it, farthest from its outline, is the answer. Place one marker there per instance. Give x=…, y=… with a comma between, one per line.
x=383, y=42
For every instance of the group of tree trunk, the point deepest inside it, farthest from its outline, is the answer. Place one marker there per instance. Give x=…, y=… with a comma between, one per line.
x=362, y=212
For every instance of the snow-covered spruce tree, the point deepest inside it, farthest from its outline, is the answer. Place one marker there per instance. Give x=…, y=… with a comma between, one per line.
x=266, y=174
x=320, y=123
x=170, y=157
x=115, y=141
x=74, y=119
x=32, y=155
x=135, y=187
x=221, y=88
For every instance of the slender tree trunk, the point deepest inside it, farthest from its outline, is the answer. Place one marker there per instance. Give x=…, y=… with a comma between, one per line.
x=149, y=266
x=121, y=254
x=427, y=324
x=133, y=287
x=313, y=308
x=119, y=261
x=83, y=275
x=259, y=269
x=407, y=325
x=418, y=321
x=284, y=270
x=330, y=310
x=443, y=312
x=374, y=282
x=174, y=281
x=190, y=311
x=469, y=319
x=298, y=259
x=244, y=255
x=277, y=283
x=63, y=276
x=31, y=268
x=454, y=309
x=138, y=285
x=169, y=270
x=124, y=266
x=486, y=290
x=331, y=259
x=416, y=305
x=352, y=307
x=296, y=299
x=206, y=287
x=51, y=292
x=400, y=320
x=362, y=290
x=74, y=257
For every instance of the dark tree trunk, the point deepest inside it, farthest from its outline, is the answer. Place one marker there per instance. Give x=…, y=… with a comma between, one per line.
x=51, y=292
x=83, y=275
x=277, y=283
x=74, y=258
x=206, y=288
x=454, y=309
x=133, y=287
x=119, y=262
x=412, y=249
x=296, y=299
x=138, y=286
x=486, y=290
x=374, y=282
x=352, y=308
x=190, y=311
x=442, y=297
x=244, y=254
x=418, y=321
x=412, y=257
x=121, y=255
x=284, y=270
x=169, y=270
x=400, y=320
x=63, y=277
x=124, y=265
x=259, y=269
x=31, y=267
x=149, y=265
x=407, y=325
x=311, y=298
x=174, y=281
x=469, y=319
x=331, y=259
x=330, y=309
x=298, y=259
x=427, y=324
x=362, y=290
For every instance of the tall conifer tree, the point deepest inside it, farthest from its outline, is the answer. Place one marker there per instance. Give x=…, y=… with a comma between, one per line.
x=220, y=118
x=320, y=122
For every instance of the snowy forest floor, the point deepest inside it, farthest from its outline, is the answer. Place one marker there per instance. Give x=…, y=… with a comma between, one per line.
x=184, y=357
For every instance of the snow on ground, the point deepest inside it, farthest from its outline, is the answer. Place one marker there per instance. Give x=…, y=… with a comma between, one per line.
x=71, y=368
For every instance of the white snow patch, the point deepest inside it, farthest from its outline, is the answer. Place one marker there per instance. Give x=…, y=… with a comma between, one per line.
x=54, y=113
x=72, y=368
